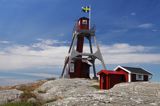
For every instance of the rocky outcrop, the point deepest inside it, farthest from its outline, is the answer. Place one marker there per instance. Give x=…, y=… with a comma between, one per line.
x=17, y=93
x=65, y=88
x=85, y=92
x=137, y=94
x=9, y=96
x=82, y=92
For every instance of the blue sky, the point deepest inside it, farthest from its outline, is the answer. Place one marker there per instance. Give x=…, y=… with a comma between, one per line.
x=35, y=34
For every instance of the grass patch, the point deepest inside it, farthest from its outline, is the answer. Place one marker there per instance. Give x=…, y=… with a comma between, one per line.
x=95, y=86
x=52, y=100
x=26, y=95
x=49, y=79
x=41, y=91
x=30, y=86
x=28, y=90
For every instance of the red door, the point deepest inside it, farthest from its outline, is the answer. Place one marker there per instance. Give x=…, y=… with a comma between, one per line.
x=104, y=82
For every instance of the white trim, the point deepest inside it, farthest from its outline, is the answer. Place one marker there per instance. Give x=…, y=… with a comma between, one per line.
x=129, y=77
x=116, y=68
x=122, y=68
x=129, y=73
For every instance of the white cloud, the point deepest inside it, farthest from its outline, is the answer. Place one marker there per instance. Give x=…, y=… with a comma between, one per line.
x=46, y=54
x=145, y=25
x=124, y=48
x=133, y=14
x=4, y=42
x=121, y=53
x=43, y=44
x=22, y=56
x=155, y=30
x=132, y=58
x=119, y=30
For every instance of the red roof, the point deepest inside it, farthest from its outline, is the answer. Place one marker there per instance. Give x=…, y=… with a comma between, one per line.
x=109, y=72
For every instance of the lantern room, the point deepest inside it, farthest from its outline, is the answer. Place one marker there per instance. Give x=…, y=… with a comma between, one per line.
x=83, y=24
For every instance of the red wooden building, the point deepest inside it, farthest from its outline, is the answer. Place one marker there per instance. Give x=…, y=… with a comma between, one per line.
x=109, y=78
x=122, y=74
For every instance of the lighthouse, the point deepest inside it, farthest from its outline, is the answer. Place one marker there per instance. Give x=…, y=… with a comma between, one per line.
x=78, y=62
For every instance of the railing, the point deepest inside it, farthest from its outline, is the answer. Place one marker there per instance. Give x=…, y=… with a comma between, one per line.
x=92, y=28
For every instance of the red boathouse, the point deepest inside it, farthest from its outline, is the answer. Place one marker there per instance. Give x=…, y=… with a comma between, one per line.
x=109, y=78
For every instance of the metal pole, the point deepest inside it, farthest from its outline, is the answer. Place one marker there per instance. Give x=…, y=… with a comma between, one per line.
x=71, y=43
x=90, y=17
x=93, y=61
x=64, y=68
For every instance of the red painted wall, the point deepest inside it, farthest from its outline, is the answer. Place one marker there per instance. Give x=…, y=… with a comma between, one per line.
x=81, y=25
x=103, y=81
x=81, y=70
x=124, y=72
x=110, y=80
x=78, y=63
x=115, y=79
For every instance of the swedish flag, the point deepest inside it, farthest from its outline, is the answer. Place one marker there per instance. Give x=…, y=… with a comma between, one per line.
x=86, y=9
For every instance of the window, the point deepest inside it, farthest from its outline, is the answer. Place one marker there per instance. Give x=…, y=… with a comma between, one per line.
x=139, y=77
x=71, y=67
x=84, y=22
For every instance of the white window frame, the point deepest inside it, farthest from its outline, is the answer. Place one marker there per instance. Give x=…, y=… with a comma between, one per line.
x=140, y=79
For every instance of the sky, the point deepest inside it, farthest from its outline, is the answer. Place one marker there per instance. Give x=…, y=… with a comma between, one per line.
x=35, y=35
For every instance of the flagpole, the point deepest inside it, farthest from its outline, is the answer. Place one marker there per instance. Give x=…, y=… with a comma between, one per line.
x=90, y=16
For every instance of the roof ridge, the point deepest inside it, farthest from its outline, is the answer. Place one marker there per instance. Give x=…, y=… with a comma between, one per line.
x=133, y=69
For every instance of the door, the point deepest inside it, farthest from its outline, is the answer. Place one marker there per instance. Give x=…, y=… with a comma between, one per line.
x=104, y=82
x=123, y=78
